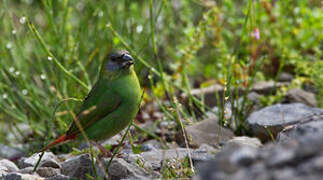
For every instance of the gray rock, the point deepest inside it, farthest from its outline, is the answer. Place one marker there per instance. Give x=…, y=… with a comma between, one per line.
x=58, y=177
x=215, y=112
x=254, y=99
x=255, y=172
x=138, y=161
x=26, y=170
x=274, y=118
x=283, y=173
x=120, y=169
x=216, y=169
x=41, y=171
x=205, y=132
x=302, y=130
x=238, y=154
x=207, y=148
x=78, y=166
x=285, y=77
x=203, y=153
x=48, y=171
x=48, y=160
x=147, y=147
x=280, y=156
x=244, y=140
x=299, y=158
x=113, y=140
x=213, y=95
x=154, y=143
x=18, y=176
x=300, y=96
x=313, y=166
x=210, y=95
x=244, y=157
x=156, y=157
x=8, y=166
x=267, y=87
x=8, y=152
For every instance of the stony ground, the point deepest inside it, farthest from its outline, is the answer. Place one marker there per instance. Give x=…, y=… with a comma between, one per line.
x=297, y=152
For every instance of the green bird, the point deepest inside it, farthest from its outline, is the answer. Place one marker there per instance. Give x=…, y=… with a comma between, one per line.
x=111, y=104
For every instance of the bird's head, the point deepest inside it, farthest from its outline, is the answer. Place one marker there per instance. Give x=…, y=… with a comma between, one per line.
x=118, y=61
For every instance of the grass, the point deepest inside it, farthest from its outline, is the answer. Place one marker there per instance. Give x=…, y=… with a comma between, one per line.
x=51, y=51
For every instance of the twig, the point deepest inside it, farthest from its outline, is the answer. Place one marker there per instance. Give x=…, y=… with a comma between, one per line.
x=184, y=135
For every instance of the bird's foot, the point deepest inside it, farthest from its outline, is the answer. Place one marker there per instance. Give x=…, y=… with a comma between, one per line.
x=114, y=146
x=108, y=153
x=103, y=150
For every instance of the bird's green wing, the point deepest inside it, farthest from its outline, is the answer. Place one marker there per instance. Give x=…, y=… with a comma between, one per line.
x=101, y=101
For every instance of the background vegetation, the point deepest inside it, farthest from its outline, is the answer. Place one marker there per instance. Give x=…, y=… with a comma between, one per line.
x=51, y=50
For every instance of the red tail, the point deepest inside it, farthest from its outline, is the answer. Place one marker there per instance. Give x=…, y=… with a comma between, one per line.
x=62, y=138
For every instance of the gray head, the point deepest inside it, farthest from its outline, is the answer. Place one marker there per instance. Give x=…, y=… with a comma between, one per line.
x=118, y=60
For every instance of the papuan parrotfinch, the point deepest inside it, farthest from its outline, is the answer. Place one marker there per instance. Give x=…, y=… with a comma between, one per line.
x=111, y=104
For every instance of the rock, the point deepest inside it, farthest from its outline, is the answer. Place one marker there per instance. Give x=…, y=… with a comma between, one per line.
x=238, y=153
x=78, y=167
x=120, y=169
x=310, y=87
x=244, y=140
x=213, y=114
x=207, y=148
x=280, y=156
x=267, y=87
x=113, y=140
x=47, y=172
x=284, y=173
x=138, y=160
x=150, y=145
x=254, y=98
x=215, y=169
x=18, y=176
x=205, y=132
x=285, y=77
x=300, y=96
x=312, y=166
x=213, y=95
x=156, y=157
x=8, y=166
x=302, y=130
x=299, y=159
x=48, y=160
x=209, y=93
x=254, y=173
x=58, y=177
x=274, y=118
x=8, y=152
x=26, y=170
x=147, y=147
x=203, y=153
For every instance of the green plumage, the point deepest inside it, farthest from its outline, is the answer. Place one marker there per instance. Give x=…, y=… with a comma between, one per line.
x=111, y=104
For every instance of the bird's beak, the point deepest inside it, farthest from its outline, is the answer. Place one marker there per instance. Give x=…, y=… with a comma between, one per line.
x=127, y=60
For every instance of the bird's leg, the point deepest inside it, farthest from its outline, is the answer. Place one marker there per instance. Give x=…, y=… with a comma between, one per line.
x=102, y=149
x=106, y=152
x=114, y=146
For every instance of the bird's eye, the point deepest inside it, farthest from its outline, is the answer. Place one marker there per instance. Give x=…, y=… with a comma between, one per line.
x=113, y=59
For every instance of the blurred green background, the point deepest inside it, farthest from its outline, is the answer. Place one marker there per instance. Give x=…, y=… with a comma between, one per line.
x=51, y=50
